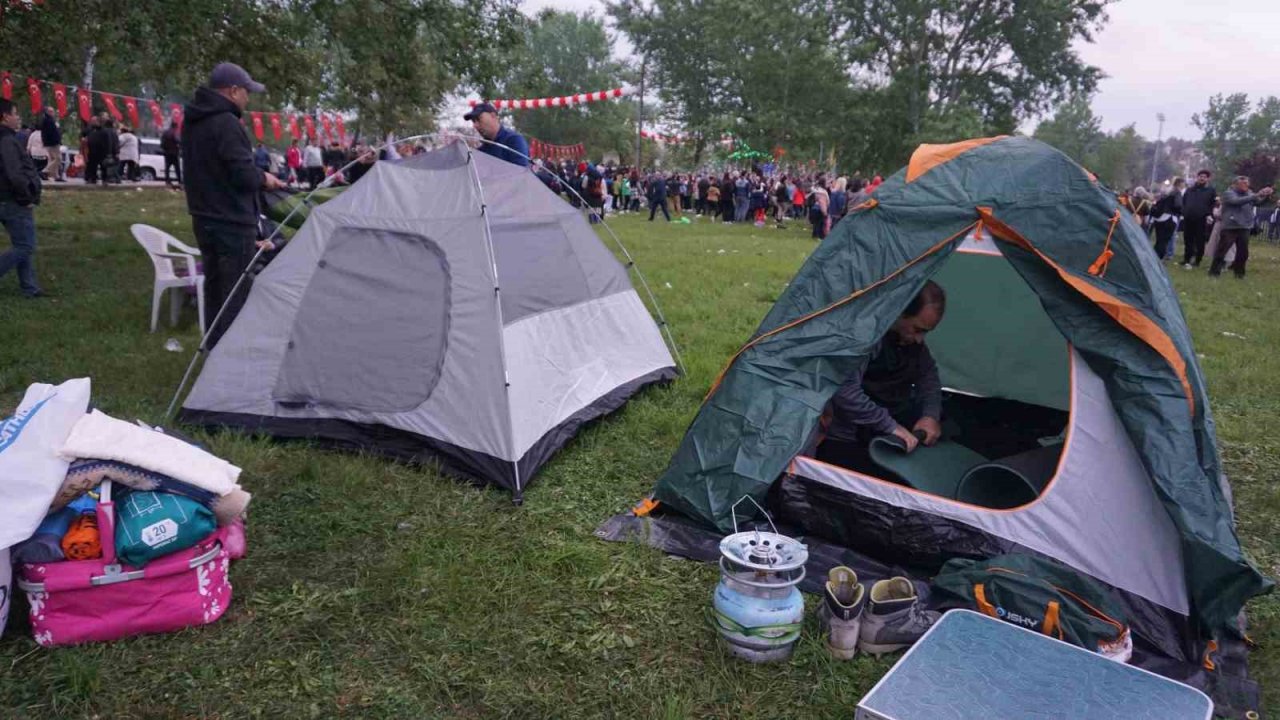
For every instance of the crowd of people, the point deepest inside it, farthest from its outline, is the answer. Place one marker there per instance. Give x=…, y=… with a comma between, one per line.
x=753, y=196
x=224, y=184
x=1217, y=225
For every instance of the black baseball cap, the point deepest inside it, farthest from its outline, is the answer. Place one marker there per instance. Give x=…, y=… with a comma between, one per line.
x=227, y=75
x=476, y=111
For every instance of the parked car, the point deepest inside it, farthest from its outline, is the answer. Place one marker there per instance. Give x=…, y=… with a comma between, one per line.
x=150, y=159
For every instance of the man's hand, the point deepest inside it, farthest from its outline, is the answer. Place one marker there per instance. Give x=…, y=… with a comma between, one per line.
x=931, y=429
x=265, y=245
x=271, y=182
x=903, y=434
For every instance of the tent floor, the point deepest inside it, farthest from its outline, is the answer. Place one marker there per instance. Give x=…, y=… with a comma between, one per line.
x=1234, y=693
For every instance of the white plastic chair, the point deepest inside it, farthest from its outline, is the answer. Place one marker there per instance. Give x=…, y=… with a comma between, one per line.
x=161, y=246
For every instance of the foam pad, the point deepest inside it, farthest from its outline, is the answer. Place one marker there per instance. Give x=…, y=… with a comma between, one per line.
x=937, y=470
x=1010, y=482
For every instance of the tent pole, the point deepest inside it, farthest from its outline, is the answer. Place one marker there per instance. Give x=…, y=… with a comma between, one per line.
x=517, y=492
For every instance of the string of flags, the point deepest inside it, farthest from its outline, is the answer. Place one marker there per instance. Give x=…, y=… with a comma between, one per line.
x=547, y=151
x=332, y=124
x=561, y=101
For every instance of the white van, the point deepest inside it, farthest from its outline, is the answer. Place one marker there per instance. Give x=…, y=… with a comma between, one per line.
x=150, y=159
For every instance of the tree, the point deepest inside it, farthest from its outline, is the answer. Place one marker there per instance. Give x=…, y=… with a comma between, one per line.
x=875, y=77
x=391, y=61
x=764, y=71
x=1119, y=161
x=1001, y=60
x=1261, y=169
x=563, y=53
x=1233, y=131
x=1074, y=130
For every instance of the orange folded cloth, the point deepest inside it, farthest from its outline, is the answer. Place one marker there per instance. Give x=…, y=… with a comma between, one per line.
x=82, y=541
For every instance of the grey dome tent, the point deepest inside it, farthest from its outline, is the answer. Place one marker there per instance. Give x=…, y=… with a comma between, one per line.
x=446, y=307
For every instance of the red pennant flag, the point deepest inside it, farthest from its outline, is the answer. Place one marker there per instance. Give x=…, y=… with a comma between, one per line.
x=342, y=130
x=85, y=102
x=110, y=101
x=328, y=126
x=257, y=125
x=275, y=126
x=131, y=107
x=157, y=115
x=175, y=112
x=33, y=89
x=6, y=85
x=310, y=125
x=60, y=98
x=293, y=128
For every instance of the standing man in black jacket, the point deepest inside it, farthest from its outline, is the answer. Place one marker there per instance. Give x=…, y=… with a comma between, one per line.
x=1197, y=208
x=171, y=146
x=222, y=188
x=19, y=194
x=51, y=138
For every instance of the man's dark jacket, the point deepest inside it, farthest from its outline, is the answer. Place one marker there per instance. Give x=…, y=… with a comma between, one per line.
x=1197, y=202
x=217, y=161
x=50, y=133
x=169, y=143
x=19, y=181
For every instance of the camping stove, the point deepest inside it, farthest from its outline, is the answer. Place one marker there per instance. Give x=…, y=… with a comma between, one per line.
x=757, y=608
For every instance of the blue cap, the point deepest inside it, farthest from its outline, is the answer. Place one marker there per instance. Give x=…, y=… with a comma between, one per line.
x=475, y=112
x=227, y=75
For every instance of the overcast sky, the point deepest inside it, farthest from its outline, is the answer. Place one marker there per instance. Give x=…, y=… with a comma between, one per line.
x=1159, y=55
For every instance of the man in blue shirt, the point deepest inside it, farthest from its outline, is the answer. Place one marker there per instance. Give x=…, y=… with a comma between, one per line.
x=484, y=118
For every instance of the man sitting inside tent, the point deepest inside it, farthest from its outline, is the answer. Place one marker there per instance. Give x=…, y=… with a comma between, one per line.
x=899, y=389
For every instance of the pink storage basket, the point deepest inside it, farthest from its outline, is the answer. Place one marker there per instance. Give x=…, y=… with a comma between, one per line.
x=82, y=601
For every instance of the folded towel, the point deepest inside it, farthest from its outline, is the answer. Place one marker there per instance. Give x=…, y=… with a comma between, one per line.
x=101, y=436
x=84, y=474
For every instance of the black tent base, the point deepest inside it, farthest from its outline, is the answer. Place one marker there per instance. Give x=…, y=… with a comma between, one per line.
x=1159, y=636
x=462, y=463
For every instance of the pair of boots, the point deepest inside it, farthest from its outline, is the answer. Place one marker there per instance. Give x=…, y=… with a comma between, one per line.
x=890, y=620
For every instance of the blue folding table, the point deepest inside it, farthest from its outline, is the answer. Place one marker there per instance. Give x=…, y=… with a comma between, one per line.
x=973, y=667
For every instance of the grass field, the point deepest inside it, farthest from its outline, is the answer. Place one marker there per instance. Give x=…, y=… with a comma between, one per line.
x=376, y=590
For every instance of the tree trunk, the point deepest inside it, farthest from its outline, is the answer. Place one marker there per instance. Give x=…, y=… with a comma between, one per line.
x=90, y=53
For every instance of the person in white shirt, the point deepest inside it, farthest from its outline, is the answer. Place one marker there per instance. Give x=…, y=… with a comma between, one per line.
x=35, y=148
x=313, y=161
x=129, y=154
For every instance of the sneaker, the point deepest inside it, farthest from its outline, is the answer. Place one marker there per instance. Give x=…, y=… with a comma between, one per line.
x=840, y=614
x=894, y=619
x=1187, y=266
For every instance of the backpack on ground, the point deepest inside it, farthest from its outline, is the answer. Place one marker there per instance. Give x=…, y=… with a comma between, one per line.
x=1040, y=595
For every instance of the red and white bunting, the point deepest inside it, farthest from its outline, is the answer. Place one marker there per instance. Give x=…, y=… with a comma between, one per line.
x=565, y=101
x=132, y=105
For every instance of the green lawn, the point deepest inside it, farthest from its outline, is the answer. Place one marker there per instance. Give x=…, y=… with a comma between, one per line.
x=376, y=590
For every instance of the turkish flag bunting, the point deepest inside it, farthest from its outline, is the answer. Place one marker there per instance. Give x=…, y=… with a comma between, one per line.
x=328, y=126
x=293, y=127
x=157, y=115
x=175, y=112
x=85, y=102
x=257, y=125
x=275, y=126
x=33, y=89
x=110, y=101
x=342, y=129
x=60, y=98
x=131, y=109
x=310, y=125
x=6, y=85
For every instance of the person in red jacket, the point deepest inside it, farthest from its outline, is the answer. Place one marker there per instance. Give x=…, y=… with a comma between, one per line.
x=293, y=159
